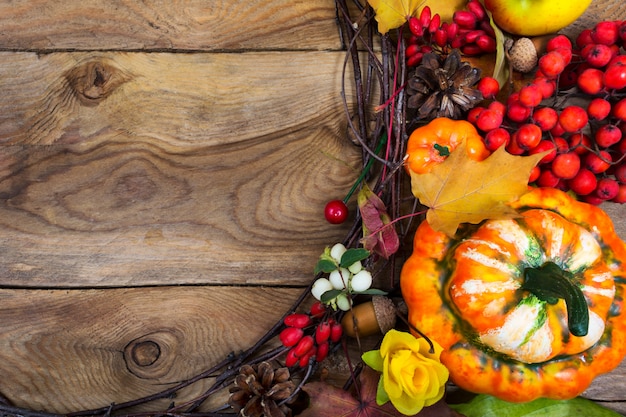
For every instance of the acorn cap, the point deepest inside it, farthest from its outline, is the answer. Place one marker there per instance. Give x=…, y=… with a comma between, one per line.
x=523, y=55
x=385, y=312
x=366, y=319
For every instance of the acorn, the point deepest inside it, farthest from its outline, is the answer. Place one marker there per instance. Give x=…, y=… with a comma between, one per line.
x=369, y=318
x=522, y=54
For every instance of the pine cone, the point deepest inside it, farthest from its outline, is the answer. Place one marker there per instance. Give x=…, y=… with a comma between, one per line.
x=443, y=87
x=259, y=391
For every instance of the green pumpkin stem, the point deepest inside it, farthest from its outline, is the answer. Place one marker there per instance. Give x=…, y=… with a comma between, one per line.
x=549, y=283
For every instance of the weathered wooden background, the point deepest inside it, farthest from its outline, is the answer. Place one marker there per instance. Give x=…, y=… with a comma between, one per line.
x=163, y=172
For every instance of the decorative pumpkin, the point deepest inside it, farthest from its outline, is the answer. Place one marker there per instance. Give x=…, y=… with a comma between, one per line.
x=430, y=144
x=527, y=307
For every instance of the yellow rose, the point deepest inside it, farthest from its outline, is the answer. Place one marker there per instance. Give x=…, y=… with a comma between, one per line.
x=412, y=377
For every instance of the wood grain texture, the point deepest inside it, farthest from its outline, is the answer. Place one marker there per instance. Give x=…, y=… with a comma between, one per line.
x=144, y=169
x=158, y=143
x=195, y=25
x=66, y=351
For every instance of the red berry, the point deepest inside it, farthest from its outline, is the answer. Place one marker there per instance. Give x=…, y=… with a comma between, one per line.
x=416, y=27
x=584, y=182
x=487, y=44
x=590, y=81
x=465, y=19
x=566, y=53
x=425, y=16
x=290, y=336
x=473, y=113
x=584, y=38
x=545, y=117
x=561, y=144
x=336, y=212
x=573, y=118
x=598, y=162
x=619, y=110
x=598, y=108
x=547, y=179
x=517, y=112
x=488, y=120
x=530, y=95
x=489, y=87
x=534, y=174
x=322, y=351
x=451, y=30
x=471, y=50
x=558, y=41
x=322, y=332
x=298, y=320
x=546, y=85
x=513, y=147
x=608, y=135
x=472, y=35
x=304, y=345
x=435, y=23
x=306, y=358
x=597, y=55
x=621, y=195
x=552, y=64
x=498, y=107
x=335, y=332
x=318, y=309
x=566, y=165
x=605, y=33
x=607, y=188
x=620, y=172
x=615, y=76
x=527, y=136
x=440, y=37
x=545, y=146
x=579, y=143
x=496, y=138
x=592, y=199
x=291, y=359
x=477, y=9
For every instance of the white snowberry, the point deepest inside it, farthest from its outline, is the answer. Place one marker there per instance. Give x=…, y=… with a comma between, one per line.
x=339, y=278
x=361, y=281
x=337, y=251
x=320, y=286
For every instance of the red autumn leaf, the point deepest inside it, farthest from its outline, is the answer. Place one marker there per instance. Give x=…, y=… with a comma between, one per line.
x=329, y=401
x=379, y=234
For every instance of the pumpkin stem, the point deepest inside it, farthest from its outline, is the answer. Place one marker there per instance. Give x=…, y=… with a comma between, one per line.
x=443, y=150
x=549, y=283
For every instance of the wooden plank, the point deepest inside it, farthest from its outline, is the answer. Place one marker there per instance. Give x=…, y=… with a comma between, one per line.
x=168, y=25
x=147, y=169
x=68, y=350
x=63, y=351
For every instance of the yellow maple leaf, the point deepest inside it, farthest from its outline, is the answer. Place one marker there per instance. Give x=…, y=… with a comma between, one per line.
x=391, y=14
x=461, y=190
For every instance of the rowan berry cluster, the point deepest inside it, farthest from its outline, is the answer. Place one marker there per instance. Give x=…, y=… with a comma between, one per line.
x=309, y=335
x=470, y=31
x=575, y=108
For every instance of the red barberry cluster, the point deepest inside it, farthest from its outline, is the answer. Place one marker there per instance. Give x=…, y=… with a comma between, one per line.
x=470, y=31
x=575, y=108
x=309, y=335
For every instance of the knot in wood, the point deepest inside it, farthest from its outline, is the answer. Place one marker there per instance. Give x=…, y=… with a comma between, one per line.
x=94, y=81
x=145, y=353
x=153, y=355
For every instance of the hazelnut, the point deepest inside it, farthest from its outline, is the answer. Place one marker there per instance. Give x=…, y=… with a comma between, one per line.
x=522, y=55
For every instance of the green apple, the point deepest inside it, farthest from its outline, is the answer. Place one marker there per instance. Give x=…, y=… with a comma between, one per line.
x=535, y=17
